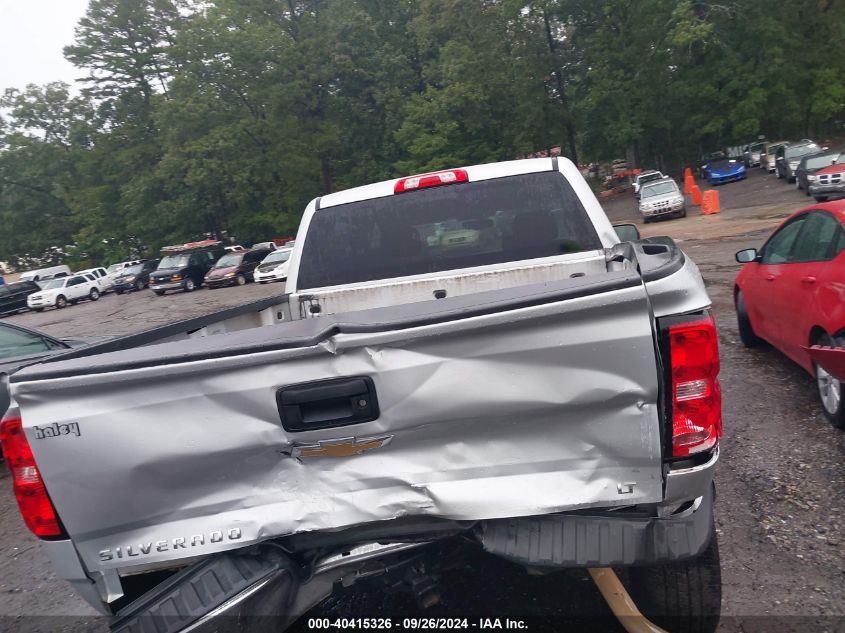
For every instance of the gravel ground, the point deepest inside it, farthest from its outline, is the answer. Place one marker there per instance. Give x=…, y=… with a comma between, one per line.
x=780, y=482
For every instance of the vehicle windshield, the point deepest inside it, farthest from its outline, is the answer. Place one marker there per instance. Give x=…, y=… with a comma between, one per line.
x=445, y=228
x=54, y=283
x=801, y=150
x=773, y=149
x=841, y=159
x=174, y=261
x=722, y=164
x=649, y=177
x=227, y=261
x=817, y=162
x=659, y=189
x=133, y=270
x=114, y=268
x=278, y=256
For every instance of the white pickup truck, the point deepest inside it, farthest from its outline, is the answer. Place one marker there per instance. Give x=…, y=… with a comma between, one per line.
x=468, y=358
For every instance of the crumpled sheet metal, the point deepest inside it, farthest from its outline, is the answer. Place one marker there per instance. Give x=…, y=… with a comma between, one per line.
x=525, y=412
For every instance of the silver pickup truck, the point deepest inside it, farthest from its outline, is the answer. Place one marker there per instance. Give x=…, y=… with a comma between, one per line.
x=468, y=358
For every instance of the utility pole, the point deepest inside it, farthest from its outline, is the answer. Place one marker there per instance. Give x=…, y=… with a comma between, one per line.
x=558, y=72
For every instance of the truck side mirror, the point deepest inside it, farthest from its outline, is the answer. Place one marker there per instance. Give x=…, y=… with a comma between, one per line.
x=627, y=232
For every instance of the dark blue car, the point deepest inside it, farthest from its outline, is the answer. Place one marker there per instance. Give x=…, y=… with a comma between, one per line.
x=724, y=170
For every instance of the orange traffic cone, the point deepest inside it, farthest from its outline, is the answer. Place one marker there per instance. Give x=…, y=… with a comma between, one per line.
x=696, y=196
x=710, y=202
x=689, y=181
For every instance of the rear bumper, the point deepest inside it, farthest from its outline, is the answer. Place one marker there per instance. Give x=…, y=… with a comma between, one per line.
x=259, y=589
x=231, y=592
x=262, y=589
x=603, y=540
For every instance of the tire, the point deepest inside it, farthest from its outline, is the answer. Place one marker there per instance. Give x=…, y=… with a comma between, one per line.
x=94, y=294
x=792, y=181
x=820, y=198
x=777, y=171
x=646, y=220
x=189, y=285
x=240, y=280
x=682, y=597
x=61, y=302
x=797, y=182
x=831, y=394
x=746, y=331
x=139, y=285
x=39, y=309
x=120, y=292
x=159, y=292
x=683, y=213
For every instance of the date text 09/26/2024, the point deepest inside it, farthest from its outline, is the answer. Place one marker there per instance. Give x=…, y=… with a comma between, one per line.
x=408, y=624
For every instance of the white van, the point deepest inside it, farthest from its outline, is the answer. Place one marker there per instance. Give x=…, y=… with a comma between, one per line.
x=45, y=274
x=115, y=270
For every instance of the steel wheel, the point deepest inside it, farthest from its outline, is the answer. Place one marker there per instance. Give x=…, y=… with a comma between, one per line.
x=190, y=285
x=241, y=280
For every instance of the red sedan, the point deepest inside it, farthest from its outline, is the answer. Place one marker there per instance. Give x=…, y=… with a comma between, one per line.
x=792, y=294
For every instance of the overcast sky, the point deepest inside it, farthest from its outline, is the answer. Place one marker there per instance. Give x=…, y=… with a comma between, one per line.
x=32, y=35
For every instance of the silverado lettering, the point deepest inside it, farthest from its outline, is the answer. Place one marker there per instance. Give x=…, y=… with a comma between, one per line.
x=142, y=549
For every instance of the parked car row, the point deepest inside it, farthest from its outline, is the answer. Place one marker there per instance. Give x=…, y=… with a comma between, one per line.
x=816, y=170
x=208, y=264
x=185, y=267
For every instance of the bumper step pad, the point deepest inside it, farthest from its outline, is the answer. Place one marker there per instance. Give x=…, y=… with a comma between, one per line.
x=574, y=540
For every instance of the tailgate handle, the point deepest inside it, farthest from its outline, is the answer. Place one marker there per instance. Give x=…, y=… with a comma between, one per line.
x=325, y=404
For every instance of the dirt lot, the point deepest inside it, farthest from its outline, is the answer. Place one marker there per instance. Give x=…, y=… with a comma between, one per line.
x=780, y=484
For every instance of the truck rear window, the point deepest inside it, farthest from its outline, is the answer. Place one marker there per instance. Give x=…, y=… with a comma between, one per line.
x=445, y=228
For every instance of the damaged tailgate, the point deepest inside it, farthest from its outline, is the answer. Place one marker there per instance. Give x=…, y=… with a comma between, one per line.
x=514, y=402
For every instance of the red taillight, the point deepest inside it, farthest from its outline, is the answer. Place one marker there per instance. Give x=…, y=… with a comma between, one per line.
x=434, y=179
x=35, y=506
x=696, y=394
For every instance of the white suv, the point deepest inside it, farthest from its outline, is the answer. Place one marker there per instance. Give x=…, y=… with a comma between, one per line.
x=646, y=177
x=104, y=282
x=58, y=293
